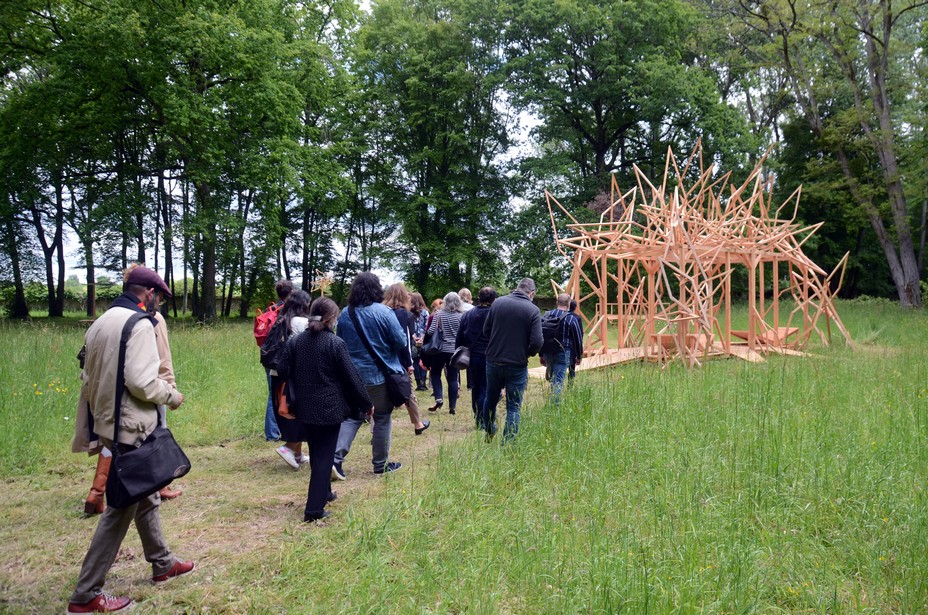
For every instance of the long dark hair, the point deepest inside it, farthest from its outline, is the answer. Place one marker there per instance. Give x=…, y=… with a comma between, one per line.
x=326, y=310
x=297, y=304
x=365, y=290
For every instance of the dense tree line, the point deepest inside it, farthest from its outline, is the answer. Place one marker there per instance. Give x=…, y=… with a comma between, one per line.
x=248, y=140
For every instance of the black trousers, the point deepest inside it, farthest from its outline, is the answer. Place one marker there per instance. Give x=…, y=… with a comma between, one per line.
x=321, y=440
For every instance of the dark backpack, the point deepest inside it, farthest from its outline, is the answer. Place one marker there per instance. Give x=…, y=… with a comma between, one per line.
x=274, y=342
x=553, y=329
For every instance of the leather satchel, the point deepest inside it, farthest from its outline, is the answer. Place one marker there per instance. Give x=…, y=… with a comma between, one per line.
x=138, y=472
x=461, y=357
x=399, y=386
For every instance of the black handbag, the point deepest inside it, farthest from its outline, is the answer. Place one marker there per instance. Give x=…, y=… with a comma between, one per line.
x=461, y=357
x=399, y=387
x=431, y=344
x=138, y=472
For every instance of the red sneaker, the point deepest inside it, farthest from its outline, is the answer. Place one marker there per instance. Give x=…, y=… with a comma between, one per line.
x=103, y=603
x=179, y=568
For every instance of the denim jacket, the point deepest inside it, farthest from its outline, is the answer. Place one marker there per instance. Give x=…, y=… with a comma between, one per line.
x=385, y=335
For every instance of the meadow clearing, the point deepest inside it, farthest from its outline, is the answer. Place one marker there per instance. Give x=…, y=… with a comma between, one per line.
x=796, y=485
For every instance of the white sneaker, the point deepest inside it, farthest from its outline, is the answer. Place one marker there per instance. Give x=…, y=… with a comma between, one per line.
x=288, y=456
x=303, y=459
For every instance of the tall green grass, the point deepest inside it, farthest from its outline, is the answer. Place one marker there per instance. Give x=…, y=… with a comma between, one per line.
x=217, y=370
x=796, y=485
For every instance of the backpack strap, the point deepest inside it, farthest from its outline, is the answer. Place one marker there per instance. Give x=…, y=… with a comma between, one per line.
x=120, y=372
x=381, y=365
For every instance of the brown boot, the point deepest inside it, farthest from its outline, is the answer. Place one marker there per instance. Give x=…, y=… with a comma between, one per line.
x=169, y=494
x=94, y=505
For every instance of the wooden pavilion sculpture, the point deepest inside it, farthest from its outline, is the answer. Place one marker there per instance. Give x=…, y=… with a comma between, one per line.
x=659, y=265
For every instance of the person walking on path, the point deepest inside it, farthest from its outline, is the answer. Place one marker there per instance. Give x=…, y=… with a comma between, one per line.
x=293, y=315
x=471, y=335
x=85, y=441
x=567, y=347
x=388, y=340
x=421, y=314
x=144, y=390
x=327, y=389
x=572, y=366
x=397, y=298
x=513, y=329
x=283, y=288
x=446, y=323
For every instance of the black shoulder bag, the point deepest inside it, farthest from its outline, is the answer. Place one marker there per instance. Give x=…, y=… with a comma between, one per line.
x=399, y=387
x=157, y=461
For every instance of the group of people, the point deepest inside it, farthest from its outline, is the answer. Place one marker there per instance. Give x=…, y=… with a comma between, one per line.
x=333, y=369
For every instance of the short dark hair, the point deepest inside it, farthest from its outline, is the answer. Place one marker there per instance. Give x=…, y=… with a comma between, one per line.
x=486, y=295
x=365, y=290
x=283, y=288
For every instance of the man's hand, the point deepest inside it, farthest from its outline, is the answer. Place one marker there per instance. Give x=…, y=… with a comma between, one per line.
x=179, y=402
x=370, y=413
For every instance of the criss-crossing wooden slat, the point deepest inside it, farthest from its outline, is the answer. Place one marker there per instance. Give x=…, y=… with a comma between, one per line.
x=658, y=268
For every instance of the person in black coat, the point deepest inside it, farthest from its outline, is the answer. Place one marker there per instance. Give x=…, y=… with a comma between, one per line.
x=471, y=335
x=324, y=389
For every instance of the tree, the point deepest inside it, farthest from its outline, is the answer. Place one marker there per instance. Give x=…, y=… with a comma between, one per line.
x=430, y=73
x=615, y=83
x=824, y=47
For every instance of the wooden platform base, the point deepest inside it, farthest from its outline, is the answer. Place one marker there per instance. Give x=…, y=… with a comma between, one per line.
x=627, y=355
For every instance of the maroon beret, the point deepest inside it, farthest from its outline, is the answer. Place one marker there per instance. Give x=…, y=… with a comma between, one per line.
x=143, y=276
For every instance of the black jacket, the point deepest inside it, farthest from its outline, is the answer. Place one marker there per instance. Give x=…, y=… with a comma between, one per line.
x=513, y=329
x=324, y=383
x=470, y=333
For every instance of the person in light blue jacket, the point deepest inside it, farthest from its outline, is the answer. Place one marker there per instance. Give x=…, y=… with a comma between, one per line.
x=388, y=340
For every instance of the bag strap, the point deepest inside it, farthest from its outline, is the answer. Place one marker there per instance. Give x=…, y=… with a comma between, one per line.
x=381, y=365
x=120, y=372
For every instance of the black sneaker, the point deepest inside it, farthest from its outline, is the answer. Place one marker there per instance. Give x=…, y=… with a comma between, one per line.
x=337, y=472
x=393, y=466
x=313, y=518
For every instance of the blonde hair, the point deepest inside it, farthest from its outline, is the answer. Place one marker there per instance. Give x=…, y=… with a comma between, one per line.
x=396, y=296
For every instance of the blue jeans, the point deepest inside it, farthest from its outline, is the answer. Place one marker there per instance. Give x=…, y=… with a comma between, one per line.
x=557, y=362
x=442, y=362
x=380, y=431
x=514, y=378
x=271, y=431
x=478, y=372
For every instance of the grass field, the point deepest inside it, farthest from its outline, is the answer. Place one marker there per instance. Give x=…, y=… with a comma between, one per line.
x=797, y=485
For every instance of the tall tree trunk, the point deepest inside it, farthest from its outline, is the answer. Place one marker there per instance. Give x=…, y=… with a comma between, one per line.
x=91, y=279
x=910, y=294
x=19, y=309
x=921, y=240
x=206, y=312
x=164, y=203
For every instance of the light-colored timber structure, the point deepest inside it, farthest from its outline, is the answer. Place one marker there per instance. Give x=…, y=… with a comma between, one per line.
x=658, y=267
